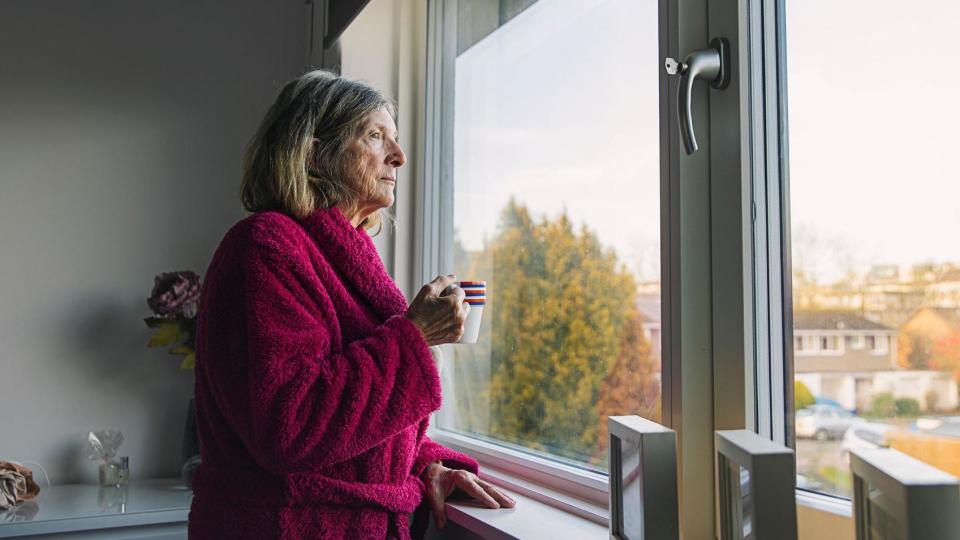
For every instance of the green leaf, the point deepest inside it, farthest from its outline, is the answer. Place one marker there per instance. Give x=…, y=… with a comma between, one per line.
x=181, y=349
x=189, y=361
x=154, y=322
x=167, y=333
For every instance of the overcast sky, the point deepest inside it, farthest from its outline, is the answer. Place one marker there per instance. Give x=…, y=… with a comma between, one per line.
x=559, y=109
x=874, y=122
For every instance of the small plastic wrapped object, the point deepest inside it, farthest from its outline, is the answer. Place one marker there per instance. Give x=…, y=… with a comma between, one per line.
x=102, y=445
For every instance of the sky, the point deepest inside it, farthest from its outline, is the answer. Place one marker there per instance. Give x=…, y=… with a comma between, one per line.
x=874, y=131
x=559, y=109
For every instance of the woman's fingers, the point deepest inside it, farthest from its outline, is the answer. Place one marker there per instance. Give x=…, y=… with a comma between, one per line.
x=439, y=310
x=437, y=502
x=468, y=483
x=498, y=495
x=440, y=283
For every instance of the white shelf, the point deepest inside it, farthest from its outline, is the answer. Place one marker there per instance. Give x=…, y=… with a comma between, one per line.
x=81, y=507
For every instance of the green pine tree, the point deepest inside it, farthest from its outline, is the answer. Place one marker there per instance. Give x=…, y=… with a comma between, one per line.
x=558, y=304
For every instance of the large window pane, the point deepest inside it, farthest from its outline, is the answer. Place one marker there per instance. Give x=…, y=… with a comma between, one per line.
x=876, y=265
x=557, y=206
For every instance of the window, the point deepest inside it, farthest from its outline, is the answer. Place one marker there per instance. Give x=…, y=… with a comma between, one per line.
x=880, y=344
x=561, y=113
x=881, y=268
x=808, y=344
x=556, y=205
x=831, y=344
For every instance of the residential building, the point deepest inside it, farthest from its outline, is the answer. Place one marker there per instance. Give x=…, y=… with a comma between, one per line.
x=843, y=356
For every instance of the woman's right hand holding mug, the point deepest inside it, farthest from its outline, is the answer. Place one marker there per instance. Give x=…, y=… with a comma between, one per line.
x=439, y=316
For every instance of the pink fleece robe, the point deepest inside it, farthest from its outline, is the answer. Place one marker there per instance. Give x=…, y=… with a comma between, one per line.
x=313, y=391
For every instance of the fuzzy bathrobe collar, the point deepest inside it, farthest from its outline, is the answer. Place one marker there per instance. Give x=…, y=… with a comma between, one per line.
x=312, y=390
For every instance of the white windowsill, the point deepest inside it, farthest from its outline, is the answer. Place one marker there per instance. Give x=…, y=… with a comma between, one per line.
x=825, y=503
x=530, y=518
x=530, y=472
x=551, y=513
x=534, y=519
x=553, y=500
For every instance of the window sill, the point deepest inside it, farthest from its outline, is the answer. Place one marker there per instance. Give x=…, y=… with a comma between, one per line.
x=533, y=475
x=530, y=518
x=553, y=500
x=825, y=503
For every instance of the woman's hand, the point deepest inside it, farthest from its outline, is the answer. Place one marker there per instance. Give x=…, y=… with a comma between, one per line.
x=441, y=482
x=439, y=316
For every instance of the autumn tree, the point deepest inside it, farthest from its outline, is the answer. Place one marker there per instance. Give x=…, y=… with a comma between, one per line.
x=558, y=307
x=945, y=354
x=914, y=350
x=631, y=386
x=802, y=396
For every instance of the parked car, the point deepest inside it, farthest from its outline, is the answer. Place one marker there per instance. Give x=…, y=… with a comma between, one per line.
x=942, y=426
x=863, y=435
x=824, y=422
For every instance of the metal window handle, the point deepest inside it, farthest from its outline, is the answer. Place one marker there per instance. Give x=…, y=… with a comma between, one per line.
x=712, y=65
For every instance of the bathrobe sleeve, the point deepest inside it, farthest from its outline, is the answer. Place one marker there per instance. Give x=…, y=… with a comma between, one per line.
x=431, y=452
x=305, y=405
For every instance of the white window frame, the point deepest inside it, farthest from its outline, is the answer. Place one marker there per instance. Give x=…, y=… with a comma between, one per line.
x=839, y=350
x=810, y=341
x=727, y=322
x=433, y=231
x=766, y=157
x=881, y=344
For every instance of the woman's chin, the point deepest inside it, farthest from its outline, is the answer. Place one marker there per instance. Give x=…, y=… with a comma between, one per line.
x=386, y=201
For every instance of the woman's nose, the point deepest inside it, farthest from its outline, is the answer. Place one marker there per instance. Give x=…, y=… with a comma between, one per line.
x=397, y=158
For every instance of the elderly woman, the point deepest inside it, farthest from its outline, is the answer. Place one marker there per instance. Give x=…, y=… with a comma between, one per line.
x=314, y=380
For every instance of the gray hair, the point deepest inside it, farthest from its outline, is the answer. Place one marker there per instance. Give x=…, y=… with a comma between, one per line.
x=285, y=171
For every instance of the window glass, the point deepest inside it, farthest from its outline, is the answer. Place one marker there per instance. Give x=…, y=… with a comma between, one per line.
x=873, y=214
x=557, y=207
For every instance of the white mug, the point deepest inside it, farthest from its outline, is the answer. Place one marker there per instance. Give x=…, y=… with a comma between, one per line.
x=475, y=297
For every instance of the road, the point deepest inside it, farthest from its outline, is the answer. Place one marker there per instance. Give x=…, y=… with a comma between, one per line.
x=820, y=462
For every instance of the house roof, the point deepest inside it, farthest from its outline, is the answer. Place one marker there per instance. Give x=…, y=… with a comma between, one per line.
x=649, y=307
x=951, y=275
x=833, y=320
x=950, y=315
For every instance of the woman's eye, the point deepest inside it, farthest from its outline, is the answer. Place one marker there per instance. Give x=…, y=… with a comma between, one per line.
x=375, y=135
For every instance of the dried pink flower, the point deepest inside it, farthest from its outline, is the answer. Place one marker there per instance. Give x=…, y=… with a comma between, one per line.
x=175, y=293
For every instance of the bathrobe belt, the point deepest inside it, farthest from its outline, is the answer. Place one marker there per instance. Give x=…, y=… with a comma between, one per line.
x=259, y=488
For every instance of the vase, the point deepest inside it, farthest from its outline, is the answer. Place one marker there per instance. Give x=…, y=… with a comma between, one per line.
x=191, y=441
x=190, y=449
x=186, y=472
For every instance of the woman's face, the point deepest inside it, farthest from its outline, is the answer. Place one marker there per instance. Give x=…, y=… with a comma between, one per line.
x=376, y=155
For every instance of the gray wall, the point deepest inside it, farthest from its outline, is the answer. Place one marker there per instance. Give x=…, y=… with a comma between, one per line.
x=122, y=125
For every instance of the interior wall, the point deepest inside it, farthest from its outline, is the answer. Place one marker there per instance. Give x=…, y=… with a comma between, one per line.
x=385, y=47
x=122, y=126
x=818, y=524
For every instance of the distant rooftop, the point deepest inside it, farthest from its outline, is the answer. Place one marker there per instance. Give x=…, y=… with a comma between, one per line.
x=951, y=275
x=951, y=315
x=834, y=320
x=649, y=307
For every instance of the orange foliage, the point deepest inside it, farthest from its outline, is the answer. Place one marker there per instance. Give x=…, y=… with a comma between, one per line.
x=631, y=386
x=946, y=354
